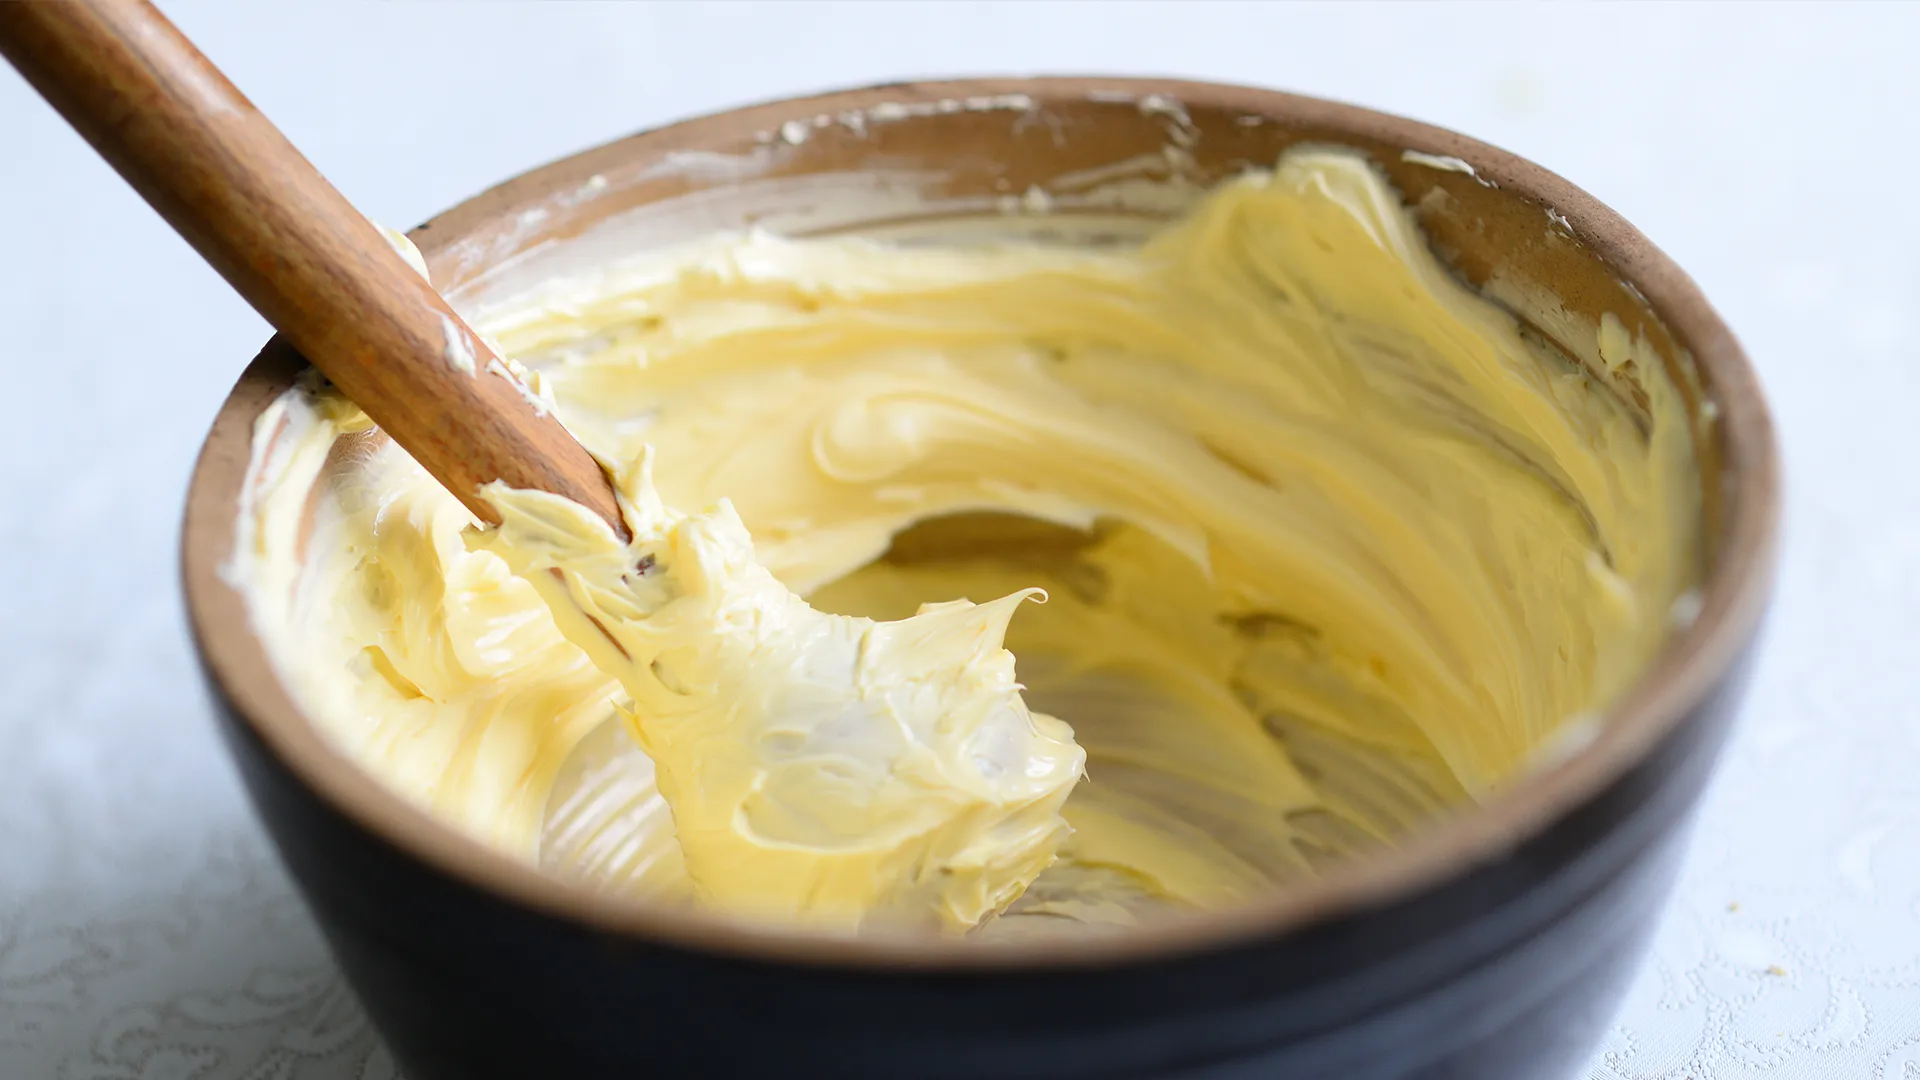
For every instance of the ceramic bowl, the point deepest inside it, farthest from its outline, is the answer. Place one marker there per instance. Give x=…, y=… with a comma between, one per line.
x=1493, y=944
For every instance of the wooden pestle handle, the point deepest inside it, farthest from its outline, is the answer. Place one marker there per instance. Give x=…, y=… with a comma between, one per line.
x=229, y=182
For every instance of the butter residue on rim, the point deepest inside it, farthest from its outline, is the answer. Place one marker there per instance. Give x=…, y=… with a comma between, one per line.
x=1332, y=546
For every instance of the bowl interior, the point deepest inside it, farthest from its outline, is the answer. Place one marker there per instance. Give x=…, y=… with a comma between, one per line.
x=1088, y=149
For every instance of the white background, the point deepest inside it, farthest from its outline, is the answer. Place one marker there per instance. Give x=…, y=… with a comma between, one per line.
x=145, y=930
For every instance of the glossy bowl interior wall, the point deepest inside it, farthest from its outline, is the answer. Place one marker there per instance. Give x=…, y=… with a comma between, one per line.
x=1551, y=253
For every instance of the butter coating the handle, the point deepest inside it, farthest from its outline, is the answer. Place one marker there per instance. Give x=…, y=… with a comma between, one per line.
x=229, y=182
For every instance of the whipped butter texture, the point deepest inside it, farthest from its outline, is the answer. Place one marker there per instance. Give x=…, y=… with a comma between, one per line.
x=1329, y=546
x=818, y=766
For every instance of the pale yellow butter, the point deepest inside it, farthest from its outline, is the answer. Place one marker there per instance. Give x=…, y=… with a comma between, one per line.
x=1329, y=547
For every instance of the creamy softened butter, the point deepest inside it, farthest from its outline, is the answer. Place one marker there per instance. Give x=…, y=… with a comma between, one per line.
x=1328, y=544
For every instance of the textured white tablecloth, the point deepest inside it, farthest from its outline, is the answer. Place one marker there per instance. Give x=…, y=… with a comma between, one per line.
x=146, y=930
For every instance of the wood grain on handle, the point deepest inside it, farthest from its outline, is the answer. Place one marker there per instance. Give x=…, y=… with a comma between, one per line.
x=312, y=265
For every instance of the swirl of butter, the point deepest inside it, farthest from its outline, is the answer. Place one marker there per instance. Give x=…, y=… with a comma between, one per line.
x=1333, y=544
x=821, y=768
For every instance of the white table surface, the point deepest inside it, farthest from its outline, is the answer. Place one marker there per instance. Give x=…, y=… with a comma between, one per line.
x=146, y=929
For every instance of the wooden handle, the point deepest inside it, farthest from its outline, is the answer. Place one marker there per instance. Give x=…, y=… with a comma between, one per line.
x=230, y=183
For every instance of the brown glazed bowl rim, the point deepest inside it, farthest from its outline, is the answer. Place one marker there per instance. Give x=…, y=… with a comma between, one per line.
x=1733, y=595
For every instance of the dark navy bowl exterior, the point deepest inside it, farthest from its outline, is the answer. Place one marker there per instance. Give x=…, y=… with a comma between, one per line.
x=1508, y=971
